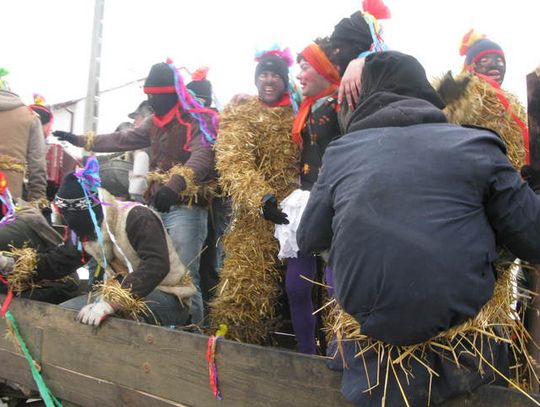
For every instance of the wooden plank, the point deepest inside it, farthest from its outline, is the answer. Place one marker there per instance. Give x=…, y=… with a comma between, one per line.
x=78, y=389
x=171, y=364
x=128, y=364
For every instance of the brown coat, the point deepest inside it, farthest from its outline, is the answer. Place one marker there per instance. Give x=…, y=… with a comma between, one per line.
x=22, y=147
x=169, y=147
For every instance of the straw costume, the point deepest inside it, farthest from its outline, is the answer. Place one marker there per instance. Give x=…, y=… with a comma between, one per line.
x=476, y=99
x=423, y=314
x=255, y=157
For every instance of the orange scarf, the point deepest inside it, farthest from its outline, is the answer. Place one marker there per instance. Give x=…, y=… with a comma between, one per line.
x=320, y=62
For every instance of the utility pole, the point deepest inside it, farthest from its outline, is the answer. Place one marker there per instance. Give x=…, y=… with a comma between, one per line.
x=92, y=93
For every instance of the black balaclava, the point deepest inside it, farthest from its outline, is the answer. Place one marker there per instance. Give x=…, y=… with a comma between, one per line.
x=275, y=64
x=202, y=89
x=44, y=113
x=74, y=207
x=160, y=85
x=352, y=36
x=394, y=72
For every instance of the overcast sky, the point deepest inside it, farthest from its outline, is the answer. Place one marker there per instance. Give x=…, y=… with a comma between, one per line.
x=46, y=43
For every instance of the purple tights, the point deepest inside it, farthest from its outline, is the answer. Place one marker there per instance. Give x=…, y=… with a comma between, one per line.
x=299, y=292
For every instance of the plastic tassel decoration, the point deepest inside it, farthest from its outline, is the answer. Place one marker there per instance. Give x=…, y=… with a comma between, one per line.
x=11, y=322
x=7, y=201
x=194, y=108
x=90, y=181
x=211, y=359
x=375, y=10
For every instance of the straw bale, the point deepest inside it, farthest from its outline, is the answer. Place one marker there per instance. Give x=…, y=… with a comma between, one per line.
x=497, y=320
x=255, y=156
x=479, y=105
x=24, y=270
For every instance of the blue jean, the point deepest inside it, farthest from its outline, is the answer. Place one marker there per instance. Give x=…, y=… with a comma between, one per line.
x=187, y=226
x=165, y=309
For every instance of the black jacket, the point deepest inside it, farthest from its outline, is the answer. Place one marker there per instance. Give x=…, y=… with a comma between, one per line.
x=321, y=128
x=412, y=216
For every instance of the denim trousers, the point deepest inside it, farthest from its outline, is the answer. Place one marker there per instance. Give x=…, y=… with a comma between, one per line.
x=165, y=309
x=212, y=258
x=187, y=227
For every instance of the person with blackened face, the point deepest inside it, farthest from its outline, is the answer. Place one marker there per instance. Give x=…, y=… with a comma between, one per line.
x=131, y=245
x=257, y=162
x=412, y=209
x=180, y=135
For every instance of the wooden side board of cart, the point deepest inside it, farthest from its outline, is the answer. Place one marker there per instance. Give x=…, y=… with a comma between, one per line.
x=124, y=363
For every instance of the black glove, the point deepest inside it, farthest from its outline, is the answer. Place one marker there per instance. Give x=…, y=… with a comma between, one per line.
x=532, y=176
x=271, y=212
x=164, y=198
x=66, y=136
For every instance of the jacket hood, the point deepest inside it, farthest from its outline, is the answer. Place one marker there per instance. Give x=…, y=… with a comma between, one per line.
x=9, y=100
x=395, y=90
x=385, y=109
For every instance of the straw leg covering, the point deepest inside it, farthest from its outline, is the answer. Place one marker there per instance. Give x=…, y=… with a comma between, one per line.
x=248, y=288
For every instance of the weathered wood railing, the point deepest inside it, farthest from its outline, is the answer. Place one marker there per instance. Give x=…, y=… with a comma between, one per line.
x=123, y=363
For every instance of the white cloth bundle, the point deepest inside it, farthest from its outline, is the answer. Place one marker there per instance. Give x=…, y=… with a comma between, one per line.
x=293, y=206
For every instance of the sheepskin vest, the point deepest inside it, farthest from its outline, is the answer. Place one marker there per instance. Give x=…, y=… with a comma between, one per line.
x=177, y=282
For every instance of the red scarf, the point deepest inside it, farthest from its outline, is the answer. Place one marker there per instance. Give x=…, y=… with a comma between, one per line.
x=320, y=62
x=284, y=101
x=504, y=101
x=172, y=114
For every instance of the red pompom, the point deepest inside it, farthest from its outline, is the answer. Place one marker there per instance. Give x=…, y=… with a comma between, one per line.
x=200, y=73
x=468, y=40
x=376, y=8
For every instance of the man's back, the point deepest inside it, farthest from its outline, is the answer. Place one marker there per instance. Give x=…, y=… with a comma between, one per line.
x=414, y=213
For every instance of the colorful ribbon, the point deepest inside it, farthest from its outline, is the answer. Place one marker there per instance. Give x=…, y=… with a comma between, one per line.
x=7, y=201
x=90, y=181
x=211, y=359
x=195, y=109
x=44, y=391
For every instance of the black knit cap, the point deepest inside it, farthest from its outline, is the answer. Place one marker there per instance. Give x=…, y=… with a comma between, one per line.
x=275, y=64
x=482, y=47
x=160, y=75
x=45, y=115
x=202, y=89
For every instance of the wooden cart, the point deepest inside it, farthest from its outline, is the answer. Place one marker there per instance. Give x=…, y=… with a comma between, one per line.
x=124, y=363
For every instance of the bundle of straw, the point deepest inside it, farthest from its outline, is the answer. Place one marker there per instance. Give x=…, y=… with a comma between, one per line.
x=24, y=270
x=248, y=289
x=479, y=105
x=126, y=305
x=255, y=154
x=194, y=192
x=497, y=320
